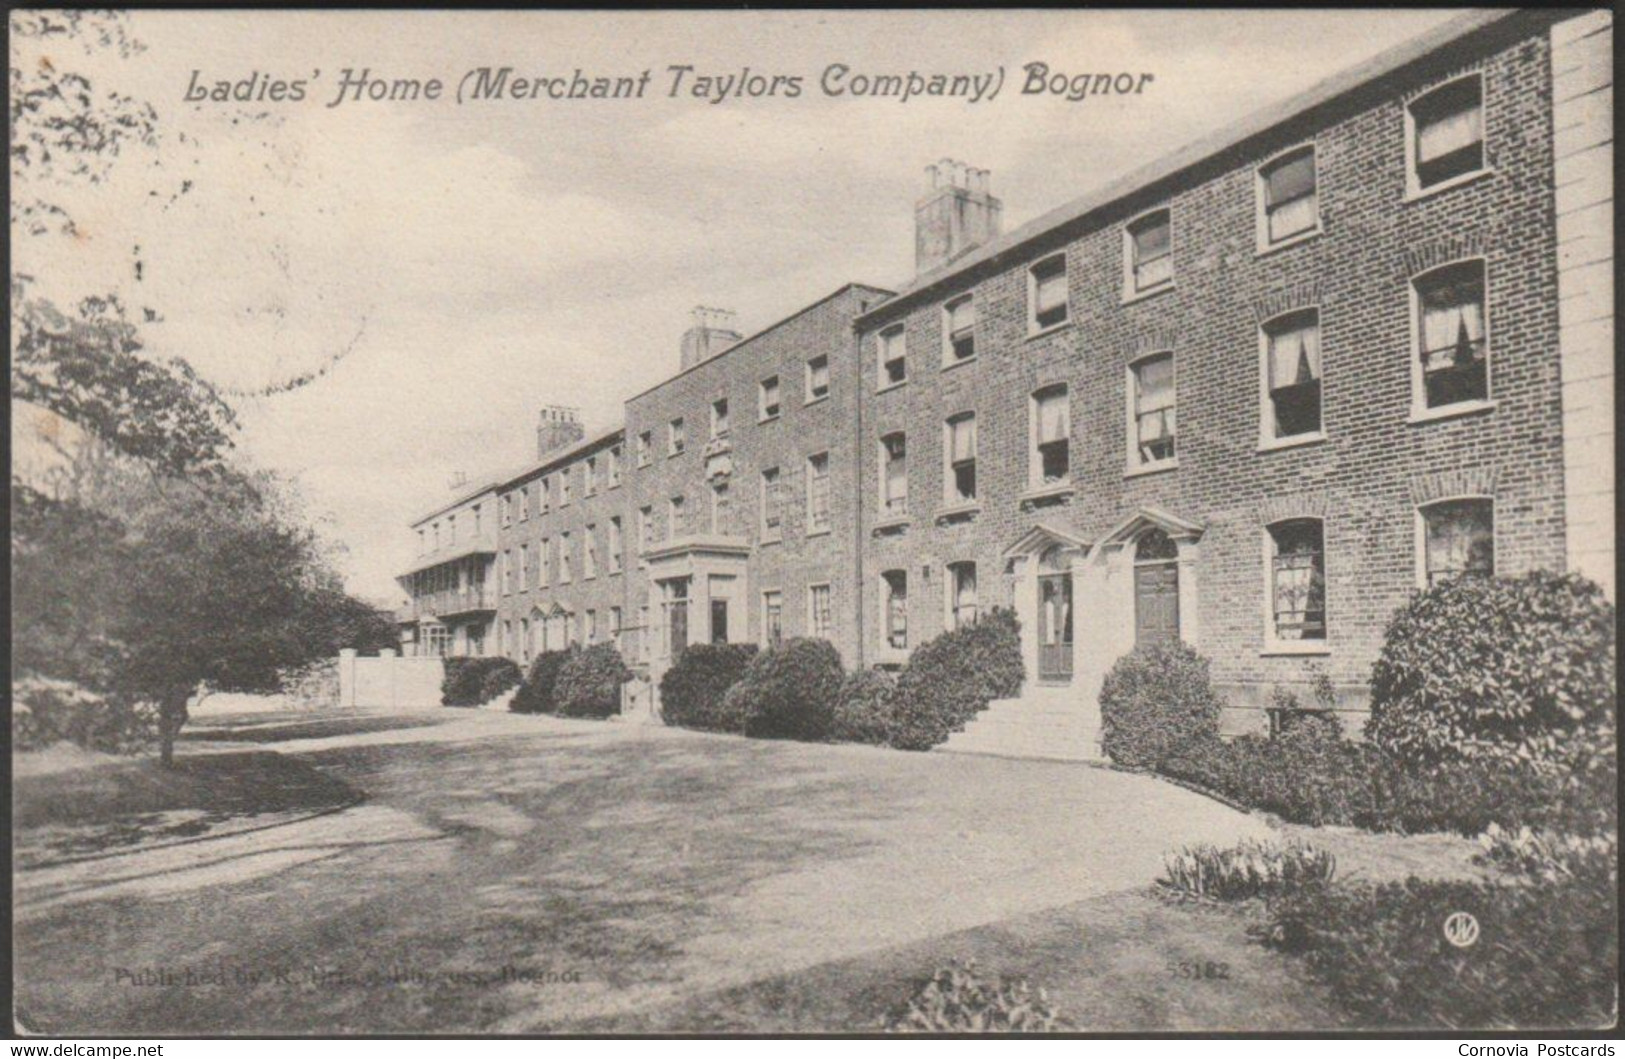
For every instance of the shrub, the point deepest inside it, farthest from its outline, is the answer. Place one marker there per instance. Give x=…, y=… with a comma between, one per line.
x=1156, y=698
x=1546, y=954
x=692, y=690
x=468, y=681
x=958, y=1000
x=1508, y=669
x=951, y=678
x=535, y=694
x=1249, y=869
x=863, y=710
x=1544, y=855
x=789, y=690
x=589, y=682
x=45, y=712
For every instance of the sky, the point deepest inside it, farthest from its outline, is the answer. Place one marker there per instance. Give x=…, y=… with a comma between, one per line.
x=457, y=267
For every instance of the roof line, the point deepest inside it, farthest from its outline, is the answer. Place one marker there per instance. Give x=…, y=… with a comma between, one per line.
x=546, y=463
x=1200, y=152
x=754, y=335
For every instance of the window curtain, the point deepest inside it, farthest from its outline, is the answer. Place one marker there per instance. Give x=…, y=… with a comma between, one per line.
x=962, y=439
x=1289, y=180
x=1053, y=422
x=961, y=316
x=1051, y=283
x=1452, y=318
x=1449, y=132
x=1295, y=355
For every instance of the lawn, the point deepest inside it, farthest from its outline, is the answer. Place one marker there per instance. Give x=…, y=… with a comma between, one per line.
x=488, y=872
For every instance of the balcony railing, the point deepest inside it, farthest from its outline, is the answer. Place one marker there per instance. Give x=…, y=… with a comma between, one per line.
x=451, y=601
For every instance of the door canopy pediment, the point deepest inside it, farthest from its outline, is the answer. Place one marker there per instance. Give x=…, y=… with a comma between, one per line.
x=1041, y=538
x=1148, y=518
x=555, y=611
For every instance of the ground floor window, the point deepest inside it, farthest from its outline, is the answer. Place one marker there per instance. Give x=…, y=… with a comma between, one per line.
x=437, y=641
x=962, y=609
x=820, y=615
x=675, y=611
x=1459, y=539
x=894, y=588
x=772, y=617
x=1298, y=579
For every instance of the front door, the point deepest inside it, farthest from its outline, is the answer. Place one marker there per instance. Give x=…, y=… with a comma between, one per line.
x=1156, y=603
x=1055, y=627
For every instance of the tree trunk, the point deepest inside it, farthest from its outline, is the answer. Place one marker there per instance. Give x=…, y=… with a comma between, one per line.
x=172, y=716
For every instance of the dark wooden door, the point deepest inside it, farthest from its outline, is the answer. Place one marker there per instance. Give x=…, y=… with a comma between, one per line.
x=1156, y=603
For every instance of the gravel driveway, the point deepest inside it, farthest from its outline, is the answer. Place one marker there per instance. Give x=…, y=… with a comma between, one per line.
x=506, y=873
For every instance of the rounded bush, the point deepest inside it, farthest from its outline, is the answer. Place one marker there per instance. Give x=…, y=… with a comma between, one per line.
x=1519, y=670
x=476, y=681
x=952, y=677
x=535, y=694
x=789, y=690
x=863, y=709
x=693, y=689
x=1156, y=699
x=589, y=682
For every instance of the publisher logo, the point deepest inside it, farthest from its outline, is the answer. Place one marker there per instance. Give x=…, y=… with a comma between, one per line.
x=1461, y=930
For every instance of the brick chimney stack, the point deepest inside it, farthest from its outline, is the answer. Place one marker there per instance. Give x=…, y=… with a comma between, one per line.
x=712, y=331
x=560, y=426
x=955, y=215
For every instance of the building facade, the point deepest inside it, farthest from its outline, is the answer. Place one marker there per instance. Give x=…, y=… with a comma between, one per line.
x=1250, y=397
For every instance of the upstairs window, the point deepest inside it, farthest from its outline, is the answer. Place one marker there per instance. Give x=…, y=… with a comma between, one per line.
x=1458, y=539
x=1447, y=133
x=615, y=547
x=1051, y=455
x=1047, y=294
x=1287, y=197
x=893, y=356
x=959, y=444
x=1298, y=580
x=546, y=494
x=772, y=617
x=772, y=528
x=646, y=528
x=674, y=517
x=959, y=330
x=564, y=487
x=1292, y=375
x=894, y=474
x=817, y=379
x=770, y=397
x=645, y=447
x=589, y=545
x=614, y=468
x=544, y=560
x=589, y=476
x=566, y=559
x=524, y=567
x=721, y=507
x=1152, y=421
x=1149, y=246
x=719, y=418
x=1452, y=353
x=677, y=439
x=818, y=493
x=524, y=502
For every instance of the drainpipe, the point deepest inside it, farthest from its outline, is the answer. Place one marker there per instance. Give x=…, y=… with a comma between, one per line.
x=857, y=486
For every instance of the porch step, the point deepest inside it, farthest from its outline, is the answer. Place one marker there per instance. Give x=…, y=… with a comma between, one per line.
x=1043, y=723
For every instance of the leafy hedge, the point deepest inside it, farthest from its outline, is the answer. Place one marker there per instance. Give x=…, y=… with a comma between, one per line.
x=1318, y=781
x=535, y=694
x=45, y=712
x=950, y=679
x=789, y=690
x=1546, y=954
x=864, y=708
x=476, y=681
x=1154, y=700
x=693, y=690
x=589, y=682
x=1510, y=669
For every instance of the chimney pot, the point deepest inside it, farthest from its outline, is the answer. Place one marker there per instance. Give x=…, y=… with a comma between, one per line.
x=957, y=214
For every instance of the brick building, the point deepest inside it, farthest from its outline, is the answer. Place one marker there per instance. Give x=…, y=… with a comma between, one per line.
x=1251, y=397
